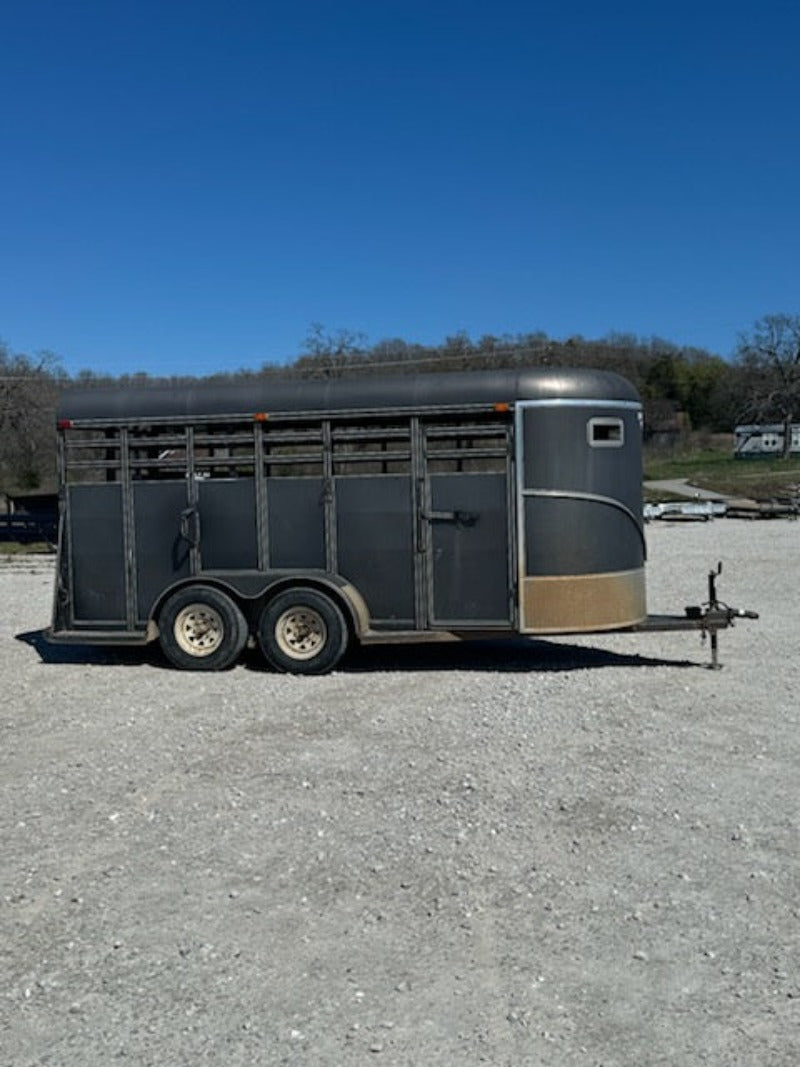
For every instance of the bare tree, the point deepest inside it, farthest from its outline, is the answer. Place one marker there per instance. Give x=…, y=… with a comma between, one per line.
x=28, y=389
x=770, y=356
x=326, y=354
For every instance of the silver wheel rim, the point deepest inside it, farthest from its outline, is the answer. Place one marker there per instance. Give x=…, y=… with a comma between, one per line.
x=301, y=633
x=199, y=630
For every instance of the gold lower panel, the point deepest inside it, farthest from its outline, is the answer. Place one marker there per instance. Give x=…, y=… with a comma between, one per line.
x=583, y=603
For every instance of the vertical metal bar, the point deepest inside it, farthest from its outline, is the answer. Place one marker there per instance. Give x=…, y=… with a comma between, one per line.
x=128, y=530
x=262, y=515
x=65, y=571
x=61, y=457
x=192, y=500
x=715, y=663
x=417, y=445
x=329, y=498
x=511, y=527
x=519, y=508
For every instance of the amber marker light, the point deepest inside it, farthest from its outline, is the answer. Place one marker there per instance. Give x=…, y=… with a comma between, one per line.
x=502, y=407
x=260, y=416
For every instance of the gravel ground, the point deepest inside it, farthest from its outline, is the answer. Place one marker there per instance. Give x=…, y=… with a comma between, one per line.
x=574, y=852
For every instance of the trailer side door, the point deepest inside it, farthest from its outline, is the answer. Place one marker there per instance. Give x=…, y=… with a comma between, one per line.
x=465, y=525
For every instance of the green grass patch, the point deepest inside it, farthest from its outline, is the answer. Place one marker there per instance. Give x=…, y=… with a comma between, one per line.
x=759, y=479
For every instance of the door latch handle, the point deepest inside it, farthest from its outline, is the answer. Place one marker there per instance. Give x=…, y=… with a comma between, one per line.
x=460, y=518
x=190, y=526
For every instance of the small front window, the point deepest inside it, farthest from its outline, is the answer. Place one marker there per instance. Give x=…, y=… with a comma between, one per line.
x=605, y=433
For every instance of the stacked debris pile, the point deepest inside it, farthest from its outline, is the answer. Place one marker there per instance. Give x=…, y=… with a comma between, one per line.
x=702, y=510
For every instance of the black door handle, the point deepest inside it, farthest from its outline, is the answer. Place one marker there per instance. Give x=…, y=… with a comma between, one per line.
x=461, y=518
x=190, y=530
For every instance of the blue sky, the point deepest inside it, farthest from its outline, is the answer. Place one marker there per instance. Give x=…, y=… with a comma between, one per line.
x=187, y=187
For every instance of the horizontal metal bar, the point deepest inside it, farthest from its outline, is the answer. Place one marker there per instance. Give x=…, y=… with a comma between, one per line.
x=372, y=433
x=93, y=464
x=283, y=417
x=466, y=431
x=578, y=402
x=371, y=457
x=466, y=453
x=97, y=637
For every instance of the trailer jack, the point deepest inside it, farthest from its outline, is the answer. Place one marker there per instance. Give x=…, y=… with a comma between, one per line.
x=709, y=618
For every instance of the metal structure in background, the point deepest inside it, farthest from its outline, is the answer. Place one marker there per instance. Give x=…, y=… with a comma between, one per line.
x=307, y=514
x=764, y=440
x=29, y=517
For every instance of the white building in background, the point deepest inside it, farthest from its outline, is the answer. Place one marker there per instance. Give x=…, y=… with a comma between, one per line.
x=760, y=440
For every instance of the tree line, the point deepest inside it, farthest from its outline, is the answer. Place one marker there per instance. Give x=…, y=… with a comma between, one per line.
x=683, y=388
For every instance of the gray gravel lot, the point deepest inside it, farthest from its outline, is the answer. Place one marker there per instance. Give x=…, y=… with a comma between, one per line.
x=582, y=851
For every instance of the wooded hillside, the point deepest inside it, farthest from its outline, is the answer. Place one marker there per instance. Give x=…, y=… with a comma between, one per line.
x=683, y=389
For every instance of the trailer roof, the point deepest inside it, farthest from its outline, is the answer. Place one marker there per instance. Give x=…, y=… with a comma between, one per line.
x=294, y=395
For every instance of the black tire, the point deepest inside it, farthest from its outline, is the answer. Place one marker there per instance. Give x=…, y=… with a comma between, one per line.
x=201, y=629
x=302, y=631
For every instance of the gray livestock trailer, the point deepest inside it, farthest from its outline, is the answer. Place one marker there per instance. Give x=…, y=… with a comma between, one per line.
x=306, y=514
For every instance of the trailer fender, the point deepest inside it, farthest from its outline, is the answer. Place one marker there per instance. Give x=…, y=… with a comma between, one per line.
x=338, y=588
x=251, y=591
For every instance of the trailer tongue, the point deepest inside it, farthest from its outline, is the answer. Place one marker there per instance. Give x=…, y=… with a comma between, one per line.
x=709, y=618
